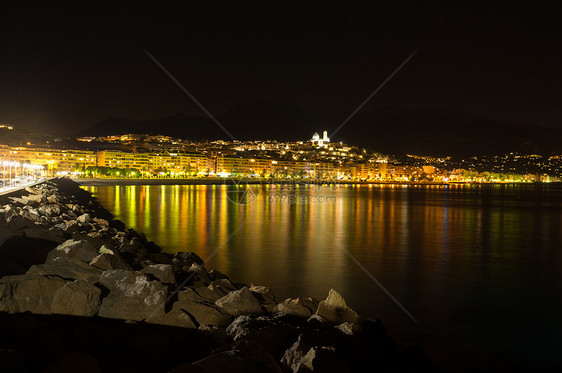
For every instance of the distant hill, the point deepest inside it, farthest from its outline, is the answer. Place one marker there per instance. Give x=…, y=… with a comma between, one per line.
x=388, y=130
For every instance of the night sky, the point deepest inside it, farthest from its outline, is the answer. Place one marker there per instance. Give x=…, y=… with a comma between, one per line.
x=64, y=69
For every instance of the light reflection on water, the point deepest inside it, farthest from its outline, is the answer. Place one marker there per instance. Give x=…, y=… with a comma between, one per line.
x=478, y=266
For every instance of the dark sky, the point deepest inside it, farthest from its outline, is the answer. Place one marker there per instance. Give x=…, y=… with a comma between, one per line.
x=67, y=68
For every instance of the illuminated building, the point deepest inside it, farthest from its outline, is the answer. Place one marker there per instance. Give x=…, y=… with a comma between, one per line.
x=54, y=159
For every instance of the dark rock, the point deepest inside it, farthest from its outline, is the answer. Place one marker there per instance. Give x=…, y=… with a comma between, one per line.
x=33, y=293
x=132, y=296
x=108, y=261
x=80, y=250
x=163, y=272
x=174, y=317
x=203, y=313
x=78, y=298
x=322, y=360
x=67, y=268
x=183, y=259
x=335, y=310
x=298, y=307
x=240, y=302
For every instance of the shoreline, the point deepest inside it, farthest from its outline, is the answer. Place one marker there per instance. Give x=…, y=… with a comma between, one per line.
x=250, y=181
x=88, y=266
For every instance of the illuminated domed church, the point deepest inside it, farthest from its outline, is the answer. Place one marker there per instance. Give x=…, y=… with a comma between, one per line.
x=322, y=142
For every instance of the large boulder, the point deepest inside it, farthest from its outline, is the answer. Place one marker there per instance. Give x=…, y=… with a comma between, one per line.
x=33, y=293
x=163, y=272
x=83, y=219
x=132, y=296
x=78, y=298
x=240, y=302
x=107, y=261
x=175, y=317
x=298, y=307
x=203, y=313
x=322, y=359
x=80, y=250
x=67, y=268
x=335, y=310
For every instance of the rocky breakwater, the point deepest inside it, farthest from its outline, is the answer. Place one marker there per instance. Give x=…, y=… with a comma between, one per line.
x=90, y=266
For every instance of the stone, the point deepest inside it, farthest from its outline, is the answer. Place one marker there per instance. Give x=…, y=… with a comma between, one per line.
x=322, y=359
x=298, y=307
x=106, y=250
x=110, y=261
x=80, y=250
x=201, y=294
x=204, y=313
x=132, y=296
x=348, y=328
x=224, y=284
x=293, y=356
x=175, y=317
x=335, y=310
x=83, y=219
x=28, y=293
x=163, y=272
x=199, y=274
x=240, y=302
x=101, y=222
x=264, y=294
x=67, y=268
x=183, y=258
x=78, y=298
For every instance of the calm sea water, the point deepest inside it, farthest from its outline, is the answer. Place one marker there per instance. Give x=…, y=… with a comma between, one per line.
x=478, y=266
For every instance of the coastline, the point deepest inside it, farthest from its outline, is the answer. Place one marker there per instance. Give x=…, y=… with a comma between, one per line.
x=92, y=268
x=252, y=181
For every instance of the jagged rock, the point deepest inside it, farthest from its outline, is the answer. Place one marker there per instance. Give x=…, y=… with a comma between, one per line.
x=203, y=313
x=53, y=199
x=110, y=261
x=78, y=298
x=132, y=296
x=186, y=259
x=293, y=356
x=28, y=293
x=19, y=222
x=106, y=250
x=264, y=294
x=101, y=222
x=43, y=234
x=349, y=328
x=224, y=285
x=240, y=302
x=298, y=307
x=81, y=250
x=335, y=310
x=317, y=320
x=201, y=294
x=175, y=317
x=83, y=219
x=67, y=268
x=9, y=211
x=60, y=226
x=199, y=274
x=163, y=272
x=72, y=226
x=322, y=359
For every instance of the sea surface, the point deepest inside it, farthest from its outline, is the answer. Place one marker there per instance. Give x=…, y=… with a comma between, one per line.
x=471, y=272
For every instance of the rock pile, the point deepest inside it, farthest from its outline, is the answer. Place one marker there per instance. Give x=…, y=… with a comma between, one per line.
x=99, y=268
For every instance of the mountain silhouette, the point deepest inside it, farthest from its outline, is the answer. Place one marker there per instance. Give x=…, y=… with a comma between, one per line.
x=388, y=130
